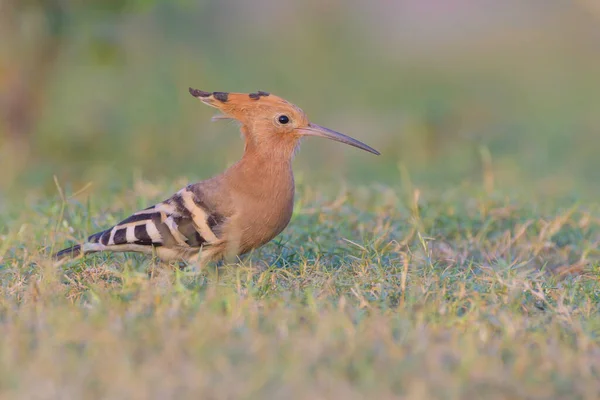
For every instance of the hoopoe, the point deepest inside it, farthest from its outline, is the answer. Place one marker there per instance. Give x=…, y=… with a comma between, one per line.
x=232, y=213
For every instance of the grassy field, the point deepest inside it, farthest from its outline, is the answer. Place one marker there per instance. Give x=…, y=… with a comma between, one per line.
x=462, y=263
x=374, y=292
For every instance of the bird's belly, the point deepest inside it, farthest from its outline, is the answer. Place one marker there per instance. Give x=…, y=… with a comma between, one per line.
x=258, y=228
x=176, y=254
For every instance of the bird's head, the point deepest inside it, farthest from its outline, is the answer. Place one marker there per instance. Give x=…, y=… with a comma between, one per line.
x=270, y=122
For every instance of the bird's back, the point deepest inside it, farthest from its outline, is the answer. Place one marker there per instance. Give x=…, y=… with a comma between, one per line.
x=229, y=214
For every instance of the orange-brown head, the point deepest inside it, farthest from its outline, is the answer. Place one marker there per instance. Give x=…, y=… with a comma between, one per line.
x=270, y=122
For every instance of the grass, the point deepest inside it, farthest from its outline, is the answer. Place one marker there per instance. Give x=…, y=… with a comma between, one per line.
x=377, y=292
x=443, y=288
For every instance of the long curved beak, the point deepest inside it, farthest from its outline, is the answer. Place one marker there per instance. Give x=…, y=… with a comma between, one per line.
x=317, y=130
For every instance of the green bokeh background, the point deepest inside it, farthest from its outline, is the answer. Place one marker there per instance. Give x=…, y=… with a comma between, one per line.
x=435, y=86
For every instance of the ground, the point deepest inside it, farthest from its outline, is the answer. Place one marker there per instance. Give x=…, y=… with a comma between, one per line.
x=373, y=292
x=462, y=263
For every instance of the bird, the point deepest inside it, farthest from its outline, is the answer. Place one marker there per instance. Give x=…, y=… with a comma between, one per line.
x=232, y=213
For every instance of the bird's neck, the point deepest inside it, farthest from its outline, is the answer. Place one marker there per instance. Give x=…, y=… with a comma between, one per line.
x=264, y=170
x=262, y=188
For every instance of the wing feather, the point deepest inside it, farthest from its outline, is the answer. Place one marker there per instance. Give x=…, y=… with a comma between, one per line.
x=182, y=224
x=180, y=221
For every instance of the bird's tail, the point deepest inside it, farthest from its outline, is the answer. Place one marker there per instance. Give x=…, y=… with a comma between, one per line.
x=69, y=252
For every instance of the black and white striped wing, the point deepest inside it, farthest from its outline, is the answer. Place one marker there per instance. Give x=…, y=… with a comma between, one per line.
x=182, y=222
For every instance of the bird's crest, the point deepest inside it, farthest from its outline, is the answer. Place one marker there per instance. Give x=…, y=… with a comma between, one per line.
x=244, y=106
x=217, y=99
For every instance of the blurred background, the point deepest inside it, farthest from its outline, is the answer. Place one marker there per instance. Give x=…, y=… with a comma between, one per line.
x=505, y=94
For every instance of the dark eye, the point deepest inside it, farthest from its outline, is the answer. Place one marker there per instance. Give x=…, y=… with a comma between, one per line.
x=283, y=119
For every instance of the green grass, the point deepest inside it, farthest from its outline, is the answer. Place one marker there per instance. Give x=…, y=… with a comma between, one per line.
x=377, y=292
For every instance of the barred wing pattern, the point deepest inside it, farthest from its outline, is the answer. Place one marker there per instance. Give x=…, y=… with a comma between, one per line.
x=177, y=228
